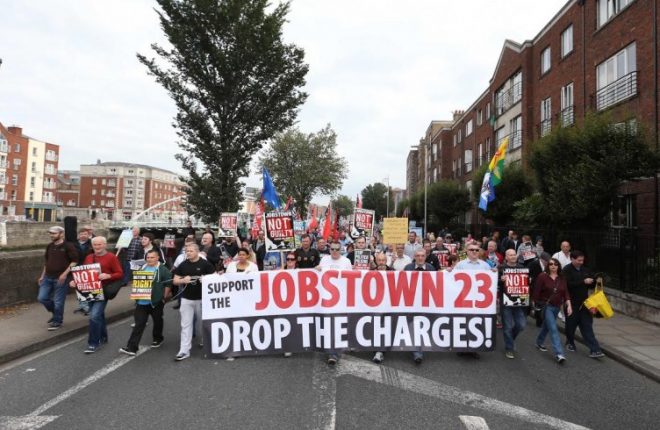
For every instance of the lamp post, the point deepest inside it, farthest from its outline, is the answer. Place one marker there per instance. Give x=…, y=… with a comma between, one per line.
x=387, y=213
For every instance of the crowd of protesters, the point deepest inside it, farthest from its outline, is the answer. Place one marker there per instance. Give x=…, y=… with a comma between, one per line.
x=559, y=283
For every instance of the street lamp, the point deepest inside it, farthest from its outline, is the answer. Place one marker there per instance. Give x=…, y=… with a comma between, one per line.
x=387, y=213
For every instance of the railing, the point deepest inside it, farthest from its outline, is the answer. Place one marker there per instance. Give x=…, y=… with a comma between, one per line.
x=566, y=116
x=619, y=90
x=508, y=98
x=50, y=185
x=515, y=141
x=51, y=157
x=111, y=183
x=545, y=127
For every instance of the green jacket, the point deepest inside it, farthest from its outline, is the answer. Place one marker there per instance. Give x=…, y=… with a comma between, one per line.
x=162, y=280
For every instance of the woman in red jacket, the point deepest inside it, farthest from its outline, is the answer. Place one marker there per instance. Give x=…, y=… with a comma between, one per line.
x=550, y=294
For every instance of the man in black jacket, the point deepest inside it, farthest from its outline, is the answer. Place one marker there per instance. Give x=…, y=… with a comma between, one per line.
x=259, y=248
x=419, y=264
x=579, y=280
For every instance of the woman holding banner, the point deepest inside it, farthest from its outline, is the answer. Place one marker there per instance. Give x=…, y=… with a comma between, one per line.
x=161, y=290
x=242, y=263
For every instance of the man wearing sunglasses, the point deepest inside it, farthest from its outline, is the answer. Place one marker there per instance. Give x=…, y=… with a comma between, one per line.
x=419, y=264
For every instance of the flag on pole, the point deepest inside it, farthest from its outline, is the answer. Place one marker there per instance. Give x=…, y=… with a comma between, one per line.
x=358, y=202
x=289, y=201
x=487, y=194
x=327, y=224
x=269, y=193
x=313, y=222
x=493, y=176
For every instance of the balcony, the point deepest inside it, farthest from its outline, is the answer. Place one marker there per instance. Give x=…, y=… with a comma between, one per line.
x=110, y=194
x=566, y=116
x=50, y=185
x=508, y=98
x=2, y=195
x=545, y=127
x=51, y=156
x=112, y=183
x=616, y=92
x=4, y=147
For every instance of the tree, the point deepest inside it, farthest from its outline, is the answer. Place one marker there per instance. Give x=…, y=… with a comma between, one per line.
x=445, y=200
x=578, y=170
x=516, y=185
x=343, y=205
x=374, y=197
x=235, y=84
x=303, y=165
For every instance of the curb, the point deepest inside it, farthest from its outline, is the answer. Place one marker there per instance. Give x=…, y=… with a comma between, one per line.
x=60, y=337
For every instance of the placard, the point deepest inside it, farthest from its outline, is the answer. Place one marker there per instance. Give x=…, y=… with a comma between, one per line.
x=168, y=241
x=274, y=260
x=141, y=286
x=228, y=224
x=363, y=223
x=124, y=239
x=279, y=232
x=362, y=259
x=395, y=230
x=299, y=228
x=516, y=287
x=88, y=284
x=443, y=257
x=333, y=310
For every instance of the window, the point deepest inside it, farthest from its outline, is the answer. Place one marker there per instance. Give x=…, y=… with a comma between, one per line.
x=546, y=112
x=102, y=202
x=102, y=181
x=103, y=192
x=617, y=78
x=608, y=8
x=469, y=127
x=545, y=60
x=499, y=135
x=93, y=202
x=34, y=152
x=516, y=132
x=460, y=135
x=468, y=160
x=624, y=211
x=488, y=111
x=32, y=182
x=435, y=152
x=487, y=149
x=31, y=196
x=93, y=192
x=130, y=172
x=454, y=140
x=567, y=105
x=480, y=154
x=94, y=181
x=14, y=179
x=567, y=41
x=34, y=166
x=17, y=147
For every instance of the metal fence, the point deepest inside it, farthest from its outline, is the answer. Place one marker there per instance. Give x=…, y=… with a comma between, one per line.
x=629, y=260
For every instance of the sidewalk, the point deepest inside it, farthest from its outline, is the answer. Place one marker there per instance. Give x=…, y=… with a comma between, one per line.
x=24, y=328
x=627, y=340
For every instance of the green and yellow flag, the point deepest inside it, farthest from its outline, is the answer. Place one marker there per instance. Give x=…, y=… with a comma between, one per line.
x=496, y=165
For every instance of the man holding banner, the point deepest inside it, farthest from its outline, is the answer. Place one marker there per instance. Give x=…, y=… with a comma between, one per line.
x=151, y=287
x=514, y=298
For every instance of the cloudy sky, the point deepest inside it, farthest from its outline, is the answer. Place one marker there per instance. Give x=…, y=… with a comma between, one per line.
x=380, y=71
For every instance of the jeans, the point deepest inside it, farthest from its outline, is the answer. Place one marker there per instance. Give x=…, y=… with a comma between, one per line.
x=550, y=326
x=52, y=295
x=191, y=314
x=514, y=319
x=141, y=316
x=126, y=266
x=582, y=318
x=98, y=332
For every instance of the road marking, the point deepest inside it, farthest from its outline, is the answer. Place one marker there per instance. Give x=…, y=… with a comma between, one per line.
x=407, y=381
x=324, y=385
x=473, y=423
x=26, y=422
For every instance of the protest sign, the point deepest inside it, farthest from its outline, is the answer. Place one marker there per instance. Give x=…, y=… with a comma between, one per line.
x=516, y=287
x=307, y=310
x=299, y=228
x=88, y=284
x=168, y=242
x=279, y=232
x=395, y=230
x=141, y=287
x=124, y=239
x=228, y=224
x=419, y=231
x=443, y=256
x=273, y=260
x=451, y=247
x=363, y=223
x=361, y=259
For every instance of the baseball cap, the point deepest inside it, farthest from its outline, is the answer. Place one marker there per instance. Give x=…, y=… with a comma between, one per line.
x=55, y=229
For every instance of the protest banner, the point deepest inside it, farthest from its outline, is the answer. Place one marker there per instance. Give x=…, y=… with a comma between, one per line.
x=141, y=286
x=451, y=247
x=443, y=256
x=363, y=223
x=88, y=284
x=516, y=287
x=228, y=224
x=168, y=241
x=395, y=230
x=299, y=228
x=308, y=310
x=361, y=259
x=273, y=260
x=279, y=231
x=124, y=239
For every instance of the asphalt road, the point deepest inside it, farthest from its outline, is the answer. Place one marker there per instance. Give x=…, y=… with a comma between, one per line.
x=62, y=388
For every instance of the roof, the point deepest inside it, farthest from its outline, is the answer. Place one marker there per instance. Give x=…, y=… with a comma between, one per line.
x=124, y=164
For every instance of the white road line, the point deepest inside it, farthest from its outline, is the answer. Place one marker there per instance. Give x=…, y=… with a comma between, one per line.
x=26, y=422
x=324, y=386
x=473, y=423
x=111, y=367
x=407, y=381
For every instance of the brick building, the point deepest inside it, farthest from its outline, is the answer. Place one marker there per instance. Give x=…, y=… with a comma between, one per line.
x=68, y=188
x=120, y=191
x=593, y=56
x=28, y=176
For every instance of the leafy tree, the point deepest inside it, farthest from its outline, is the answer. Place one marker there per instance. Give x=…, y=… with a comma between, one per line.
x=578, y=170
x=343, y=205
x=516, y=185
x=235, y=84
x=374, y=197
x=446, y=200
x=303, y=165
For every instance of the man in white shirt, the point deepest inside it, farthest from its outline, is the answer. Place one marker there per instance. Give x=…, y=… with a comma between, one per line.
x=564, y=256
x=400, y=260
x=473, y=262
x=335, y=260
x=412, y=245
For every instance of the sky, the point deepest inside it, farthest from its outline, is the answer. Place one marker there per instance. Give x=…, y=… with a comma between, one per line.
x=379, y=73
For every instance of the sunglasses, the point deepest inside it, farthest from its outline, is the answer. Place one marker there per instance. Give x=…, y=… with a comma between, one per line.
x=291, y=259
x=335, y=249
x=473, y=249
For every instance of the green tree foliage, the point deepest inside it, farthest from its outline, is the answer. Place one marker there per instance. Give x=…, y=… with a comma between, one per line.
x=516, y=185
x=578, y=170
x=374, y=197
x=235, y=84
x=446, y=200
x=343, y=205
x=303, y=165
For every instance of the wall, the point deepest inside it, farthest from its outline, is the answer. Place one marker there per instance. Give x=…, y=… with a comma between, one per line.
x=19, y=272
x=635, y=306
x=21, y=235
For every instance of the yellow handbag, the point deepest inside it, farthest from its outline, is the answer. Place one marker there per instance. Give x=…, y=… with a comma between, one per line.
x=598, y=301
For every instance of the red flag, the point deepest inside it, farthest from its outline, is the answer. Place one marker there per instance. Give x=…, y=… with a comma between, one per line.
x=258, y=217
x=335, y=225
x=326, y=225
x=358, y=202
x=313, y=222
x=289, y=201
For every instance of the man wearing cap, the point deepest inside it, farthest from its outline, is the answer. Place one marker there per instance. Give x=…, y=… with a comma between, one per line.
x=60, y=257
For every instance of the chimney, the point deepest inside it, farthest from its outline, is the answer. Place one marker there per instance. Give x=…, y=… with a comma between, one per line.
x=457, y=114
x=98, y=161
x=15, y=130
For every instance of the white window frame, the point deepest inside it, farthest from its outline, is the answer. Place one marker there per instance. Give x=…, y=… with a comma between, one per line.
x=546, y=116
x=469, y=127
x=607, y=9
x=617, y=66
x=567, y=41
x=480, y=117
x=546, y=60
x=567, y=101
x=515, y=126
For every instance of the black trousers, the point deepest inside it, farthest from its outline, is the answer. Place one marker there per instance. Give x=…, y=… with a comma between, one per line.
x=141, y=316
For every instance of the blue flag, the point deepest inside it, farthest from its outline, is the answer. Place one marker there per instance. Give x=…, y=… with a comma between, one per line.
x=487, y=192
x=270, y=195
